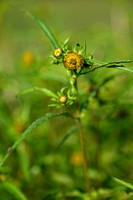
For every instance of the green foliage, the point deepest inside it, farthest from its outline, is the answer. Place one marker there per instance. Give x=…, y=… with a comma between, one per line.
x=30, y=128
x=13, y=190
x=128, y=185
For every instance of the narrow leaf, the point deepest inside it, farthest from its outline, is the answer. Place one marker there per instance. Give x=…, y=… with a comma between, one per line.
x=97, y=62
x=44, y=90
x=110, y=63
x=120, y=62
x=128, y=185
x=121, y=68
x=12, y=189
x=29, y=129
x=66, y=41
x=69, y=133
x=46, y=30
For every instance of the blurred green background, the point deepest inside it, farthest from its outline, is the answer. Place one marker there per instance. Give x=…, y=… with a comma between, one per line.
x=34, y=167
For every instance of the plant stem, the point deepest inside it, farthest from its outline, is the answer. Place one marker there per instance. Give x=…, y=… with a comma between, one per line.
x=82, y=146
x=82, y=142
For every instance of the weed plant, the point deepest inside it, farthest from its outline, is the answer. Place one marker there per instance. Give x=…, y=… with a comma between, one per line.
x=78, y=105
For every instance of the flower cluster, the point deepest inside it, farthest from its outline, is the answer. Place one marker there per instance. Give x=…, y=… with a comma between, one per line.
x=73, y=58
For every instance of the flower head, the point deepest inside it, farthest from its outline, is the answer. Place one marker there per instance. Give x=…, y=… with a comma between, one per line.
x=73, y=60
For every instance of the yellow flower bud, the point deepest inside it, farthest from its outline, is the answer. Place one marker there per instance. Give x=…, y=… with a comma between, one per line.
x=57, y=52
x=63, y=99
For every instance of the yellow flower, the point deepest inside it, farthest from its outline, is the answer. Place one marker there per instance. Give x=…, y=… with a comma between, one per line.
x=28, y=58
x=57, y=52
x=76, y=158
x=73, y=60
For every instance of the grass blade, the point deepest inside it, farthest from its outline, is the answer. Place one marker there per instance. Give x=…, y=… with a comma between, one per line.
x=12, y=189
x=29, y=129
x=128, y=185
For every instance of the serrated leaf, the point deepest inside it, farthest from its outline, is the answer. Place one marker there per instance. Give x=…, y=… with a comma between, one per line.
x=12, y=189
x=44, y=90
x=29, y=129
x=128, y=185
x=68, y=134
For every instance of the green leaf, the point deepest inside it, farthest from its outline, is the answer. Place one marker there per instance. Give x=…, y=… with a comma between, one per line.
x=120, y=62
x=97, y=62
x=29, y=129
x=121, y=68
x=128, y=185
x=44, y=90
x=65, y=42
x=46, y=30
x=108, y=65
x=69, y=133
x=12, y=189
